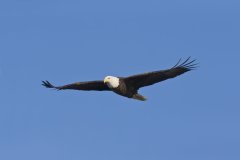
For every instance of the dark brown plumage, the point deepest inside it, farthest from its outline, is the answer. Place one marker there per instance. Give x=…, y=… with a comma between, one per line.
x=85, y=86
x=149, y=78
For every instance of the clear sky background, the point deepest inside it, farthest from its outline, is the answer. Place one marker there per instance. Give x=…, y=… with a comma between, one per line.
x=192, y=117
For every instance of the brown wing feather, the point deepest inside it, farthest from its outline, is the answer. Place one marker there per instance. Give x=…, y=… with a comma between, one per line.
x=85, y=86
x=146, y=79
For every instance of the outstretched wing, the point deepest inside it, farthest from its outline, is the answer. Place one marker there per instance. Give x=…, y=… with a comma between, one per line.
x=85, y=86
x=146, y=79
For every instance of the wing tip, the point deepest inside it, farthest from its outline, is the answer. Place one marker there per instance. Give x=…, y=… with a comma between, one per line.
x=187, y=64
x=47, y=84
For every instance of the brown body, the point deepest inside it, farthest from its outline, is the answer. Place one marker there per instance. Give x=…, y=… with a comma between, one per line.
x=127, y=90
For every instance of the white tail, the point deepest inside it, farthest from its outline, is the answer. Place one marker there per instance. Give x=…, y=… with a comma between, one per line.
x=139, y=97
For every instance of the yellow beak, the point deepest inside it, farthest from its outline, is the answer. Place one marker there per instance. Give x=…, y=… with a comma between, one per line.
x=106, y=80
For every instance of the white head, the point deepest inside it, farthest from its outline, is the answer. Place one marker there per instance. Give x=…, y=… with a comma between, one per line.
x=111, y=81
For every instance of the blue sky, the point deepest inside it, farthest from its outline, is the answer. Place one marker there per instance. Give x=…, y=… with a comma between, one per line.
x=192, y=117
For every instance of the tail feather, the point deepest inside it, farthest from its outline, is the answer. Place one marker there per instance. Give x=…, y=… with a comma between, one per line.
x=139, y=97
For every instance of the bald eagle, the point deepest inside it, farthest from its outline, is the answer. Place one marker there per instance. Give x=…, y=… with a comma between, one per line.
x=129, y=86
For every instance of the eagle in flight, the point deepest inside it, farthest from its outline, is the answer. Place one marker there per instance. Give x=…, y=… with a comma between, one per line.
x=129, y=86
